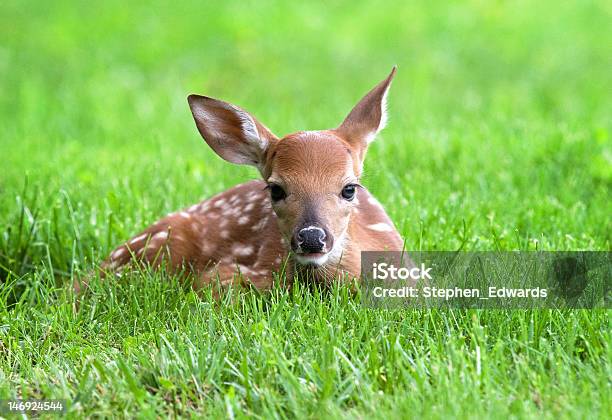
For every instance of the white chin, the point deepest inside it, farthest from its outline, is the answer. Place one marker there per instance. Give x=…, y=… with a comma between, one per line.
x=316, y=260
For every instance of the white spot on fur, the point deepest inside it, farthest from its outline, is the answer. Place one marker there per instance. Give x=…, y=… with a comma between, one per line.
x=220, y=203
x=245, y=269
x=117, y=253
x=225, y=260
x=224, y=234
x=204, y=207
x=259, y=226
x=184, y=215
x=380, y=227
x=266, y=207
x=242, y=250
x=160, y=235
x=243, y=220
x=193, y=208
x=138, y=238
x=249, y=207
x=153, y=245
x=205, y=247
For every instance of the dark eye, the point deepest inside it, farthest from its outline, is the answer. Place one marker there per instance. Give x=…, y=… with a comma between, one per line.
x=276, y=192
x=348, y=192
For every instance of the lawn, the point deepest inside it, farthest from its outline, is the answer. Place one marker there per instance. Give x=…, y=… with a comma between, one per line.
x=498, y=139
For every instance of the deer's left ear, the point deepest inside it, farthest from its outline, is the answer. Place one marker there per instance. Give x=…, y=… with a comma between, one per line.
x=367, y=118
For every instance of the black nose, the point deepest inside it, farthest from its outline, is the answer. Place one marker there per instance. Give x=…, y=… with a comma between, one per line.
x=311, y=239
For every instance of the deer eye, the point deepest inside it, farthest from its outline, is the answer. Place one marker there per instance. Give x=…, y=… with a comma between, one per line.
x=276, y=192
x=348, y=192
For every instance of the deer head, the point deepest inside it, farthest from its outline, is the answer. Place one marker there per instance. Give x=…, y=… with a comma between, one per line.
x=312, y=176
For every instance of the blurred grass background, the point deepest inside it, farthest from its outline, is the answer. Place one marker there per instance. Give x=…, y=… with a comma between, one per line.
x=498, y=138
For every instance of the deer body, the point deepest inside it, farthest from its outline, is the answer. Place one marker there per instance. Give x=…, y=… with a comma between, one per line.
x=308, y=215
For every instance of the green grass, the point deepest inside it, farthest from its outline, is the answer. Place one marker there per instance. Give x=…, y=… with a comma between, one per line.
x=498, y=139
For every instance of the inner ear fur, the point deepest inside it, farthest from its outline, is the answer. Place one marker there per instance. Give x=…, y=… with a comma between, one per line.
x=234, y=134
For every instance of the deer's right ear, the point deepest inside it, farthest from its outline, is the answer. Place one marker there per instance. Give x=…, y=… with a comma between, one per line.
x=230, y=131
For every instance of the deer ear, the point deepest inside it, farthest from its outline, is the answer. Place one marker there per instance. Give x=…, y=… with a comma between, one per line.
x=368, y=117
x=231, y=132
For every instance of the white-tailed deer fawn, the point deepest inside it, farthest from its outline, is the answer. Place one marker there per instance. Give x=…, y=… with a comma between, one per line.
x=308, y=214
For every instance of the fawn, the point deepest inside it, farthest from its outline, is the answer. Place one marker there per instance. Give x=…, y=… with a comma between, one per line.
x=308, y=215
